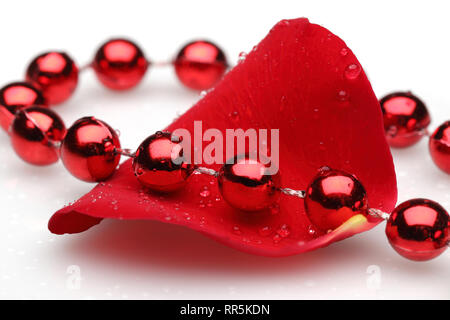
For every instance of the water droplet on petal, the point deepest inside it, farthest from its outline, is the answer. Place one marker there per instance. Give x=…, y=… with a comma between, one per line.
x=344, y=51
x=322, y=146
x=283, y=103
x=242, y=56
x=276, y=238
x=234, y=115
x=236, y=230
x=311, y=230
x=265, y=231
x=205, y=193
x=284, y=231
x=342, y=95
x=275, y=209
x=352, y=71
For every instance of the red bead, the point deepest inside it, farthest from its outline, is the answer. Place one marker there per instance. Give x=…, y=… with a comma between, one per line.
x=15, y=96
x=89, y=150
x=333, y=197
x=154, y=166
x=120, y=64
x=405, y=119
x=55, y=74
x=246, y=185
x=35, y=134
x=418, y=229
x=200, y=65
x=439, y=146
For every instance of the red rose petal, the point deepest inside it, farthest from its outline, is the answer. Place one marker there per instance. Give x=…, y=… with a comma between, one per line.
x=302, y=80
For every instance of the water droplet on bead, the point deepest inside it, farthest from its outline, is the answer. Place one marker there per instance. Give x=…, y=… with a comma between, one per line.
x=392, y=131
x=352, y=71
x=311, y=230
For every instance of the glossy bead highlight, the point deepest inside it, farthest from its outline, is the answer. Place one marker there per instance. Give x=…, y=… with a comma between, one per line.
x=439, y=146
x=154, y=167
x=333, y=197
x=35, y=135
x=246, y=184
x=405, y=119
x=200, y=65
x=15, y=96
x=89, y=150
x=418, y=229
x=120, y=64
x=55, y=74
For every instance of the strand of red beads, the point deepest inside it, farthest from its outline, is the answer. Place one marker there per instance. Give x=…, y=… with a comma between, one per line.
x=417, y=229
x=87, y=149
x=406, y=121
x=90, y=149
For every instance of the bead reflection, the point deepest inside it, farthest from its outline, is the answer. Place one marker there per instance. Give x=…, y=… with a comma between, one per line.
x=405, y=118
x=55, y=74
x=159, y=164
x=35, y=133
x=418, y=229
x=439, y=146
x=333, y=197
x=88, y=150
x=15, y=96
x=120, y=64
x=200, y=65
x=245, y=184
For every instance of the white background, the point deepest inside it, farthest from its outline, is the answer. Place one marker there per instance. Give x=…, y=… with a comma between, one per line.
x=402, y=45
